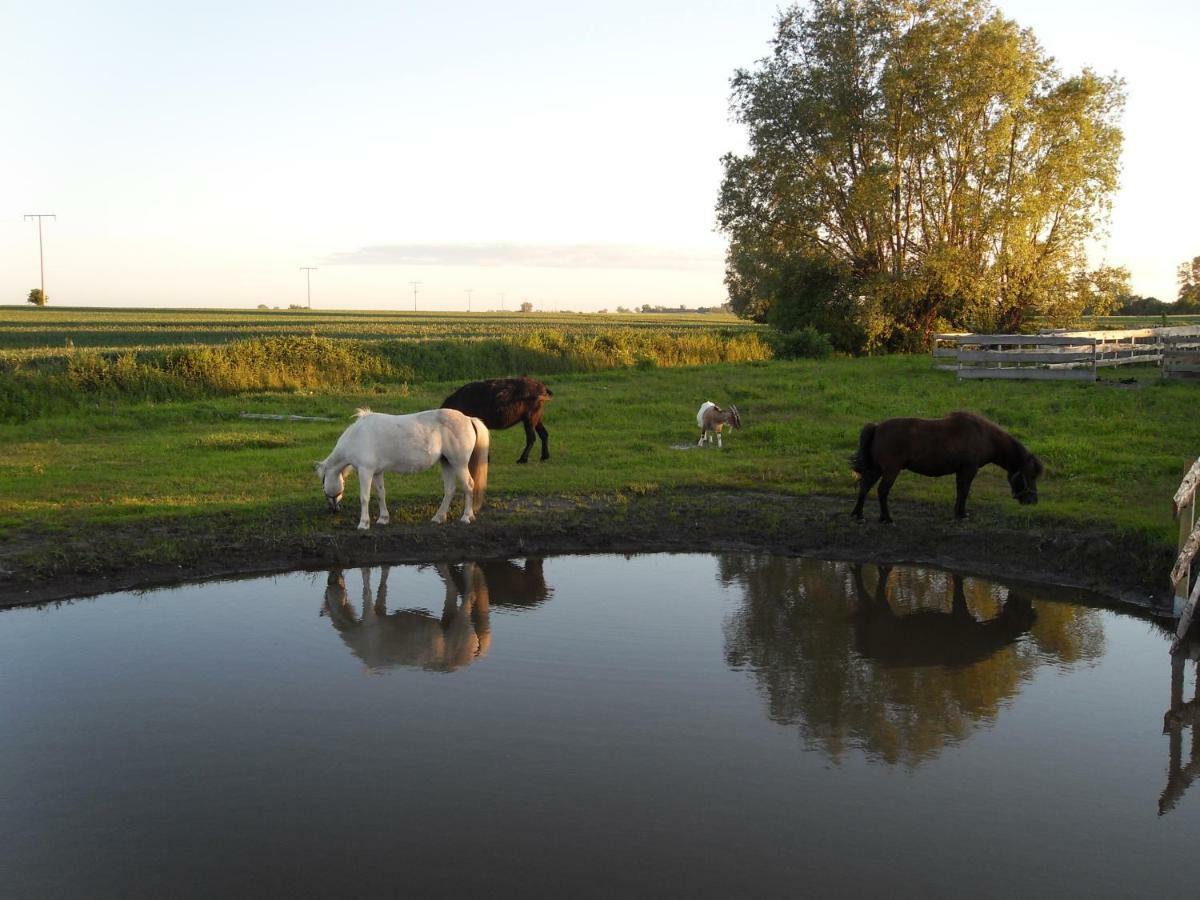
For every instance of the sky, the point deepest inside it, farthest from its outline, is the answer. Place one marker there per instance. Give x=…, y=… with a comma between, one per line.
x=568, y=155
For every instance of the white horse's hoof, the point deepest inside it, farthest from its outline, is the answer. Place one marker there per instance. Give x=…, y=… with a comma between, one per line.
x=363, y=526
x=382, y=520
x=438, y=520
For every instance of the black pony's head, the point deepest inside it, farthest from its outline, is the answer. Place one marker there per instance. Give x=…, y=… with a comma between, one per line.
x=1023, y=481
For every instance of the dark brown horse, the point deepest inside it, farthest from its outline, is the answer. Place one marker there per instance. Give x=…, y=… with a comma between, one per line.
x=502, y=403
x=960, y=444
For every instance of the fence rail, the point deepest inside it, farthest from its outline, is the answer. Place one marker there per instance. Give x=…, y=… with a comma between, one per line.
x=1181, y=356
x=1186, y=596
x=1068, y=355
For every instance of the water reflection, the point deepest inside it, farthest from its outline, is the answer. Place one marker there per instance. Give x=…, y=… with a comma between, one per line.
x=1181, y=715
x=899, y=664
x=414, y=637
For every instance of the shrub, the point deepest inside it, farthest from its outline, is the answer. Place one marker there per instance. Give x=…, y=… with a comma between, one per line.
x=801, y=343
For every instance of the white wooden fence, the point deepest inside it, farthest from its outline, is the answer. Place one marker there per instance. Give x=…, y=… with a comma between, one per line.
x=1181, y=356
x=1186, y=596
x=1067, y=355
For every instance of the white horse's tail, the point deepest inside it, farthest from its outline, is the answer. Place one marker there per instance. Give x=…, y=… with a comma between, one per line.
x=478, y=464
x=704, y=407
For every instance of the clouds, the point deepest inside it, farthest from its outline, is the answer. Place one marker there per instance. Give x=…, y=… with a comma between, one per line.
x=545, y=256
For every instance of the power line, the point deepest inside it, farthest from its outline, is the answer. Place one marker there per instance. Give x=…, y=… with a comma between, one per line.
x=414, y=287
x=308, y=270
x=41, y=255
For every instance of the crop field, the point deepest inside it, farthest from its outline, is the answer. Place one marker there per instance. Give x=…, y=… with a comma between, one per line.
x=52, y=360
x=51, y=329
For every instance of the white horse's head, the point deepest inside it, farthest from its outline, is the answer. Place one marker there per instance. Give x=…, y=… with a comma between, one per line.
x=333, y=482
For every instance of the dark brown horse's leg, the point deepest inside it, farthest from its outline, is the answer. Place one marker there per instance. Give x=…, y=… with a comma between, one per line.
x=963, y=478
x=866, y=481
x=885, y=486
x=545, y=436
x=528, y=441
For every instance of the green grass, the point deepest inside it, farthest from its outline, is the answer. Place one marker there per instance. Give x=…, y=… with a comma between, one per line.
x=1113, y=454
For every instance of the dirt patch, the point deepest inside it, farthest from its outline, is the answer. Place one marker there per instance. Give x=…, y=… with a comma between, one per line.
x=36, y=567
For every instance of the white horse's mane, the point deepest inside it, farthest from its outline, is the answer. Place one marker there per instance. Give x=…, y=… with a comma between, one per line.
x=362, y=411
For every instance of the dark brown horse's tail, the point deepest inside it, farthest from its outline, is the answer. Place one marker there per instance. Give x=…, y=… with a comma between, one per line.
x=860, y=462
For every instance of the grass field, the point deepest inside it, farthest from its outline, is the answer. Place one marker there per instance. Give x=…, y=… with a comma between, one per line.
x=1114, y=453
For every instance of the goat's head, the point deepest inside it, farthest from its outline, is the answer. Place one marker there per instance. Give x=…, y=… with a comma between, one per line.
x=735, y=418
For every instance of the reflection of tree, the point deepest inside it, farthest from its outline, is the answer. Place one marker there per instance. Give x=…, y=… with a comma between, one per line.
x=898, y=664
x=416, y=637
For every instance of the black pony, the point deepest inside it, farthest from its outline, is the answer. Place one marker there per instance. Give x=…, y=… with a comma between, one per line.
x=502, y=403
x=960, y=444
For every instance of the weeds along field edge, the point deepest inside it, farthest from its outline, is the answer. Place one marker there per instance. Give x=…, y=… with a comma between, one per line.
x=60, y=381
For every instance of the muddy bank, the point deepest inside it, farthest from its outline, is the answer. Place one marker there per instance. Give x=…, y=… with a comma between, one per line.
x=41, y=567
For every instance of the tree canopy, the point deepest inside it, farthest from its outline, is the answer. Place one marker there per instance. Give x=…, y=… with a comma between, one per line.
x=914, y=166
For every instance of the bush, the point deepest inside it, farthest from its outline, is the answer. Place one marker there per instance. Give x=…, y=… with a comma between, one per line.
x=801, y=343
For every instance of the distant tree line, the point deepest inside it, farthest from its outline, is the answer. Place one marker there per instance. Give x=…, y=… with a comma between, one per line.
x=1186, y=303
x=916, y=167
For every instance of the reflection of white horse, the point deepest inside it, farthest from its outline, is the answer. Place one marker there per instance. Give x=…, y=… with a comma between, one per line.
x=378, y=443
x=414, y=637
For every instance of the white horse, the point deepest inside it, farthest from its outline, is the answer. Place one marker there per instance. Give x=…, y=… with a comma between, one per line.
x=376, y=443
x=711, y=419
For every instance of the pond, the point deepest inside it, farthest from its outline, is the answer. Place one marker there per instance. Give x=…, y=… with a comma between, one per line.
x=735, y=724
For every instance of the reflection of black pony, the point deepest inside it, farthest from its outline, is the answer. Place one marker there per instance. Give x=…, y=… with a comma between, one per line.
x=960, y=444
x=502, y=403
x=930, y=637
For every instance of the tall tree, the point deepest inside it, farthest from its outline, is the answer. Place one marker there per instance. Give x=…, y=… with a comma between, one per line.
x=915, y=165
x=1189, y=282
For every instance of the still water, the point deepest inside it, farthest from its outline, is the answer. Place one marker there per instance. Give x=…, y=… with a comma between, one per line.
x=668, y=725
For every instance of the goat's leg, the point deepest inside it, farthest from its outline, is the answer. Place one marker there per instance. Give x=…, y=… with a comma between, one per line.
x=544, y=435
x=365, y=477
x=720, y=446
x=529, y=439
x=448, y=494
x=703, y=435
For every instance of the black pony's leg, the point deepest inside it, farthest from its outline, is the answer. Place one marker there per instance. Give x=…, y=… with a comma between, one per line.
x=545, y=436
x=885, y=486
x=866, y=481
x=528, y=441
x=963, y=479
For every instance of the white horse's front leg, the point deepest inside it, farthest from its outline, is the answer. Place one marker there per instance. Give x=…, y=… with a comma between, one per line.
x=365, y=477
x=384, y=517
x=468, y=483
x=448, y=495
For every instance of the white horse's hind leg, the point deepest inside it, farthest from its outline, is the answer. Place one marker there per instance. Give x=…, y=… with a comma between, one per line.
x=384, y=516
x=448, y=495
x=365, y=477
x=468, y=483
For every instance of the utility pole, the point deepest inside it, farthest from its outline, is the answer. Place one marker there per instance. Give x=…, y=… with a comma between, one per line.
x=502, y=303
x=41, y=255
x=308, y=270
x=414, y=287
x=470, y=291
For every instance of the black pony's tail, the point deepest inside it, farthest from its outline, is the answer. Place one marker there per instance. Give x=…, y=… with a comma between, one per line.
x=860, y=462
